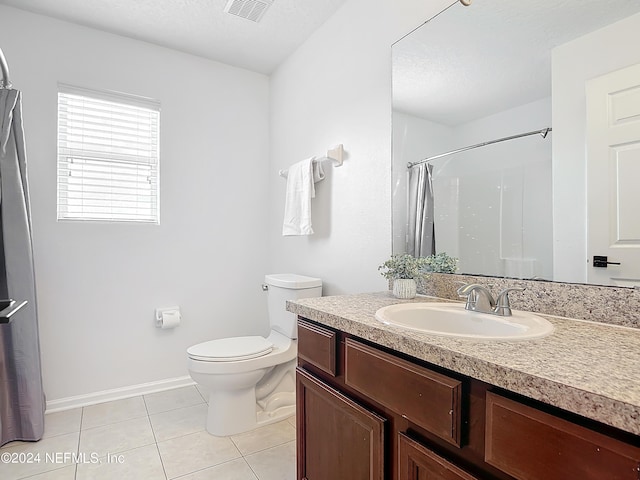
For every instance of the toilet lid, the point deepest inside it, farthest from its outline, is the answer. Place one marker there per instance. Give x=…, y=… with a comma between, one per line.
x=230, y=349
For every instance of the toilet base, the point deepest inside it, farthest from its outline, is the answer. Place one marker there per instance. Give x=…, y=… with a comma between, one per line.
x=239, y=413
x=231, y=412
x=246, y=398
x=280, y=406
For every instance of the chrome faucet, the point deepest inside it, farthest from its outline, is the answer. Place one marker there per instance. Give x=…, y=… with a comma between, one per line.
x=503, y=308
x=480, y=299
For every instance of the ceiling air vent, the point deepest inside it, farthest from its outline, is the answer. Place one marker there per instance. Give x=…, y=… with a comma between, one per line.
x=250, y=9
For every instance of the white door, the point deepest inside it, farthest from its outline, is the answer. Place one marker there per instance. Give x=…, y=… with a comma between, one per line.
x=613, y=176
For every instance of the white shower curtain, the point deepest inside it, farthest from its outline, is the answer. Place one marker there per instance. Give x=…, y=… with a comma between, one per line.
x=22, y=402
x=421, y=241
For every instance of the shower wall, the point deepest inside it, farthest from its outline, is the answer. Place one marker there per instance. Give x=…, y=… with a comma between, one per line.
x=492, y=205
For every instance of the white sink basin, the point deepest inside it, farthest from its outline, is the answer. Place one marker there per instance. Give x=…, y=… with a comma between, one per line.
x=452, y=320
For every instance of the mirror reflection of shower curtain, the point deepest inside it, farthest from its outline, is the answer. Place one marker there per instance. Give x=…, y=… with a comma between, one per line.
x=22, y=402
x=421, y=241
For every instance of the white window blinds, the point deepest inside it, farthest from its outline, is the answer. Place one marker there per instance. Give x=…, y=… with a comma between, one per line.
x=107, y=156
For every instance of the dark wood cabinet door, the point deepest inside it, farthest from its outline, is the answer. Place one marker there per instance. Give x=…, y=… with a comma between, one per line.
x=416, y=462
x=529, y=444
x=337, y=439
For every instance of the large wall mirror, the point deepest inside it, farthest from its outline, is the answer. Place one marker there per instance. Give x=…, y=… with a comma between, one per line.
x=516, y=139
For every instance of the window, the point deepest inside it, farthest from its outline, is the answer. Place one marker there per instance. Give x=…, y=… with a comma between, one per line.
x=107, y=156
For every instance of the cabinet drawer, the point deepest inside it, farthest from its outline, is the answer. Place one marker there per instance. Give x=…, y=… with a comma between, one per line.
x=317, y=345
x=533, y=445
x=425, y=398
x=417, y=462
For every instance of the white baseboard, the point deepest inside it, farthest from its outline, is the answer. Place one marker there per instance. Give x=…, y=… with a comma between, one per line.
x=117, y=394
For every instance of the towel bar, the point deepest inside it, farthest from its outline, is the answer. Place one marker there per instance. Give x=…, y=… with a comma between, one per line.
x=335, y=154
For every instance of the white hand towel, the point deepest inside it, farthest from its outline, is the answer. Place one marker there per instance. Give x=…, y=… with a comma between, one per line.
x=300, y=191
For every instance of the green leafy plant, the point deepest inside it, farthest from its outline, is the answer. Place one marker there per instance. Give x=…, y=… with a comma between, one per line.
x=403, y=266
x=441, y=263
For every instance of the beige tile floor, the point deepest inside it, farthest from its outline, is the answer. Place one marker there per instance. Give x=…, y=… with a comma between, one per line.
x=158, y=436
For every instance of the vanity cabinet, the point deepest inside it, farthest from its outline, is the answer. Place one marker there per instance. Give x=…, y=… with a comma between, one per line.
x=365, y=412
x=417, y=462
x=337, y=437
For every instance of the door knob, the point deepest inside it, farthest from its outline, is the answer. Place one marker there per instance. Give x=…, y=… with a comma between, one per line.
x=602, y=261
x=8, y=307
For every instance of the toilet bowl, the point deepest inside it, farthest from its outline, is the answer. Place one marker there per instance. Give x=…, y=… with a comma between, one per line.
x=251, y=379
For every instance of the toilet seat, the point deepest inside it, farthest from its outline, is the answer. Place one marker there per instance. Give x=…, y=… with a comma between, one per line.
x=230, y=349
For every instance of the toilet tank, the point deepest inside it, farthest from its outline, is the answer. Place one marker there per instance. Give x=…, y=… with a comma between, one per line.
x=288, y=286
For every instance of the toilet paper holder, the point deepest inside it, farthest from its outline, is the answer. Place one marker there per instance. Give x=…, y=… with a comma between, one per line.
x=168, y=317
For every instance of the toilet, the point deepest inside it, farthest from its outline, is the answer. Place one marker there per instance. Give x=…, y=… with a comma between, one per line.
x=251, y=380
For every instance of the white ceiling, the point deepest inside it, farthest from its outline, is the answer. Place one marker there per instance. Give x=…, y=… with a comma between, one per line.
x=471, y=62
x=199, y=27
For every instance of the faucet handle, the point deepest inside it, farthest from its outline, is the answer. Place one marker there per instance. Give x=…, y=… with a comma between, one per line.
x=479, y=298
x=467, y=288
x=503, y=307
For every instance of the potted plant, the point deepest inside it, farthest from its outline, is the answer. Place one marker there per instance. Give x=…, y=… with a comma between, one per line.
x=441, y=263
x=403, y=269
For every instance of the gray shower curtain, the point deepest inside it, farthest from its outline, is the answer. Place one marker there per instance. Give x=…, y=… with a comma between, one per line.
x=421, y=241
x=22, y=402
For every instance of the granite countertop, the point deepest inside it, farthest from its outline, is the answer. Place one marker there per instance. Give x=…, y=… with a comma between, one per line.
x=588, y=368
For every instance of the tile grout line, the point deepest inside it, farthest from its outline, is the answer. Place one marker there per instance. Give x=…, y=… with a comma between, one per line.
x=177, y=408
x=75, y=470
x=201, y=394
x=204, y=400
x=153, y=432
x=206, y=468
x=251, y=468
x=267, y=448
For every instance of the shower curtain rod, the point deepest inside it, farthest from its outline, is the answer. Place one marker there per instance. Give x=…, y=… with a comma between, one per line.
x=5, y=81
x=544, y=132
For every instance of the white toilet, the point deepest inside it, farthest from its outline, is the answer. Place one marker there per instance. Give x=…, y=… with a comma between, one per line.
x=251, y=380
